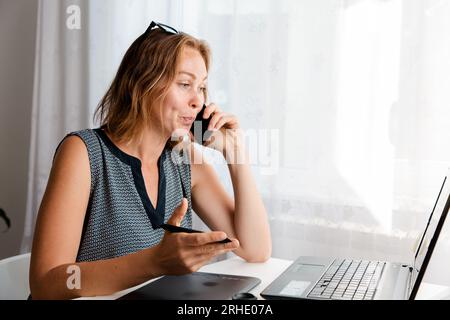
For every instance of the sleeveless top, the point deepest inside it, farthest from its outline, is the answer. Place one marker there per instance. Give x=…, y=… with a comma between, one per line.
x=120, y=218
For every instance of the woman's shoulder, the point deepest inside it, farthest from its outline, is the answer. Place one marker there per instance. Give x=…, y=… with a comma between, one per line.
x=90, y=138
x=81, y=144
x=71, y=159
x=75, y=140
x=71, y=146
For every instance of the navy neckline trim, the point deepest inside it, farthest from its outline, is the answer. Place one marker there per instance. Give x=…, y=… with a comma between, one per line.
x=156, y=215
x=124, y=157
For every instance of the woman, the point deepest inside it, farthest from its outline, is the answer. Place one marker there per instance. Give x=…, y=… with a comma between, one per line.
x=111, y=188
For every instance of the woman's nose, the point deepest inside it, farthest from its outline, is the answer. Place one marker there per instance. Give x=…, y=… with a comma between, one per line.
x=197, y=100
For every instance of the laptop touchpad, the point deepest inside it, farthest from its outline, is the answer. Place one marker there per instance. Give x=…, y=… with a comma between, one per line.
x=305, y=275
x=295, y=288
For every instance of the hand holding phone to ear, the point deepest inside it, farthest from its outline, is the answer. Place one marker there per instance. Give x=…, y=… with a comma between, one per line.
x=216, y=129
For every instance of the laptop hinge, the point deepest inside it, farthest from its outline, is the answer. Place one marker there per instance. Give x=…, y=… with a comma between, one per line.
x=410, y=284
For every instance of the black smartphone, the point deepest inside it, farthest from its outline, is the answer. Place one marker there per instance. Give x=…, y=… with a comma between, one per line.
x=199, y=128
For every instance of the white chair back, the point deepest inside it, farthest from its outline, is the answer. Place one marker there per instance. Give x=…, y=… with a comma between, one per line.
x=14, y=283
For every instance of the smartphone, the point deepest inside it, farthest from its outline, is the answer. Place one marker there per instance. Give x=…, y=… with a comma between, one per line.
x=199, y=128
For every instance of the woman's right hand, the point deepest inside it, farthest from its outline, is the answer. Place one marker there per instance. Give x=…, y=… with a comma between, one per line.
x=182, y=253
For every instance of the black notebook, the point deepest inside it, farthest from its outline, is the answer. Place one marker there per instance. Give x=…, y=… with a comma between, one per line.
x=194, y=286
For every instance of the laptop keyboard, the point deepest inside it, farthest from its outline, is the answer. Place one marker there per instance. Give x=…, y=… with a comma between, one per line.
x=349, y=280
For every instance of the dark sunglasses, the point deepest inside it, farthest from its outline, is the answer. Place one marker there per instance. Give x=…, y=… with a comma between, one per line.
x=161, y=26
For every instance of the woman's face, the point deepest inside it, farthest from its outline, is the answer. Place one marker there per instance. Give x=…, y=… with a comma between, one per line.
x=186, y=93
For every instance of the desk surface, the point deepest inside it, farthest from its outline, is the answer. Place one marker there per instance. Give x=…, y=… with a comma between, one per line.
x=270, y=270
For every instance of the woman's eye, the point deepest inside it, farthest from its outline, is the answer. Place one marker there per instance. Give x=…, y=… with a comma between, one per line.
x=188, y=85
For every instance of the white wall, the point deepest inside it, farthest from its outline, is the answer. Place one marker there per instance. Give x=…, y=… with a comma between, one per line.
x=17, y=44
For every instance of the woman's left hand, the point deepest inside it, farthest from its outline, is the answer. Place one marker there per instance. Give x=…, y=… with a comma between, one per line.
x=226, y=136
x=220, y=119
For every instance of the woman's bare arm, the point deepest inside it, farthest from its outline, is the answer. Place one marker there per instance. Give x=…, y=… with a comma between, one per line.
x=243, y=217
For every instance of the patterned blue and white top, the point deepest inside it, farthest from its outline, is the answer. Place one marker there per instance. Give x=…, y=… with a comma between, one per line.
x=120, y=218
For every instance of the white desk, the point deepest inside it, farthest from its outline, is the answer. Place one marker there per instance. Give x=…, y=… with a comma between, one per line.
x=270, y=270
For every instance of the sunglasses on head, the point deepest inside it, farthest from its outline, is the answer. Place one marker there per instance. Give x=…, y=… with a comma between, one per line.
x=164, y=27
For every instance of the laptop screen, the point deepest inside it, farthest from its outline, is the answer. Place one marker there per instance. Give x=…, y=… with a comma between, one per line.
x=429, y=237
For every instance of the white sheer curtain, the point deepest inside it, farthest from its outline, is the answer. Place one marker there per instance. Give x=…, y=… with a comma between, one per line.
x=359, y=93
x=59, y=98
x=344, y=102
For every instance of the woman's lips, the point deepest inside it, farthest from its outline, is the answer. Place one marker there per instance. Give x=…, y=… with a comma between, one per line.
x=187, y=120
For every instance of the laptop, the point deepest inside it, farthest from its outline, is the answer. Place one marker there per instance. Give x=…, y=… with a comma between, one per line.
x=321, y=278
x=194, y=286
